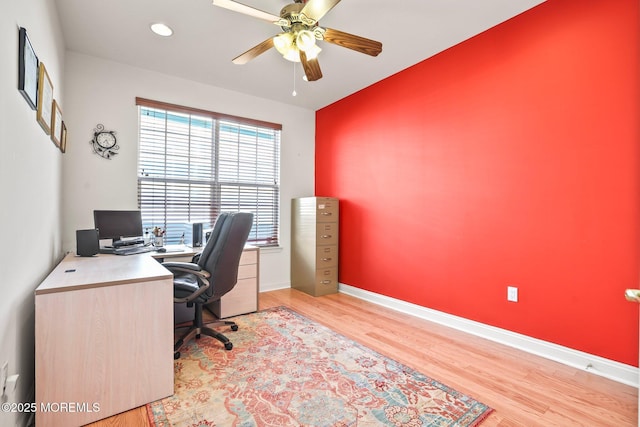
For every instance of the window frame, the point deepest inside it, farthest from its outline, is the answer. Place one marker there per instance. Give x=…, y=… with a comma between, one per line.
x=245, y=189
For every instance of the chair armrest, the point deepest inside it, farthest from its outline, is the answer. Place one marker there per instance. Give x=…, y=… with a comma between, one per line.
x=187, y=267
x=195, y=269
x=182, y=266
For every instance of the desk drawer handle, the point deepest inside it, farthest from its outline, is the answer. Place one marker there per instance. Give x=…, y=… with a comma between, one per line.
x=326, y=282
x=326, y=213
x=327, y=259
x=326, y=236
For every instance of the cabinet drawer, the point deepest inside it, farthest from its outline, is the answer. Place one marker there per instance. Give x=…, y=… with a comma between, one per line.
x=327, y=233
x=326, y=275
x=326, y=256
x=243, y=298
x=248, y=270
x=327, y=210
x=326, y=281
x=249, y=257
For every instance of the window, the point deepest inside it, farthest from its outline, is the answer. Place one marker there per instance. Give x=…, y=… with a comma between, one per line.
x=194, y=164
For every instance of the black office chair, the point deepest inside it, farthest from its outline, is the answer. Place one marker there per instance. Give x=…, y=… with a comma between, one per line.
x=212, y=274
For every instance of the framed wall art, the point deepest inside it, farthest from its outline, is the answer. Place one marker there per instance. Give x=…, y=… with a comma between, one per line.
x=27, y=69
x=56, y=124
x=45, y=99
x=63, y=137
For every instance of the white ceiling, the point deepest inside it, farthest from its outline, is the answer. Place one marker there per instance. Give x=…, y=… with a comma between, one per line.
x=206, y=38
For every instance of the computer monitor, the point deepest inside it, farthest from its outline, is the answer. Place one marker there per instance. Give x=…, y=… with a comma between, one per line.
x=116, y=225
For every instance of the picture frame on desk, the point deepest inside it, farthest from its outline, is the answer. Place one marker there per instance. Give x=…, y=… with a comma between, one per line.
x=45, y=99
x=27, y=69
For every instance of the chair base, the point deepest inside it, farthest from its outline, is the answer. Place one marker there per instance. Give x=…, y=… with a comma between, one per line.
x=197, y=331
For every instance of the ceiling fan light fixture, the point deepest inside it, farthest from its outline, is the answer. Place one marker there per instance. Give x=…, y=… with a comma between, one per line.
x=292, y=55
x=299, y=23
x=312, y=53
x=283, y=43
x=305, y=40
x=161, y=29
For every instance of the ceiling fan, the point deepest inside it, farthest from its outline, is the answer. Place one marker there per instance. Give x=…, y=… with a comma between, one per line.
x=297, y=42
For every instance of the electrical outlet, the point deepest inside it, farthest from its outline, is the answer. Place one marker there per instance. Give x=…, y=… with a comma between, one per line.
x=512, y=293
x=10, y=385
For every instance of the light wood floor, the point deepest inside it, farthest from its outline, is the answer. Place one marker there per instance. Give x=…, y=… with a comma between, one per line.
x=524, y=390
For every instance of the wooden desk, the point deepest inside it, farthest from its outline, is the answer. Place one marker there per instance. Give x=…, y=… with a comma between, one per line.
x=104, y=338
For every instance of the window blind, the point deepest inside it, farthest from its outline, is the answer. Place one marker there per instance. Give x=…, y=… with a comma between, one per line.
x=194, y=164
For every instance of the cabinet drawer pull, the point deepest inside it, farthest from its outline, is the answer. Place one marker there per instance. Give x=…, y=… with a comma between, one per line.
x=326, y=282
x=632, y=295
x=326, y=236
x=325, y=213
x=327, y=259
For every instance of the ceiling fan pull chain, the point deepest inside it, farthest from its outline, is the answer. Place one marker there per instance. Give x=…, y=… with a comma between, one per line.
x=294, y=79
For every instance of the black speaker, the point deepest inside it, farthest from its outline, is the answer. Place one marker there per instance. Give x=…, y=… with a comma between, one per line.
x=196, y=240
x=87, y=243
x=193, y=234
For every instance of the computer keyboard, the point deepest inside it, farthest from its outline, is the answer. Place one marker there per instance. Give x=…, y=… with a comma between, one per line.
x=132, y=251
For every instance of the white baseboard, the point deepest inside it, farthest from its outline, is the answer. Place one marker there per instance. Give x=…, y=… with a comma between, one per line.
x=273, y=286
x=597, y=365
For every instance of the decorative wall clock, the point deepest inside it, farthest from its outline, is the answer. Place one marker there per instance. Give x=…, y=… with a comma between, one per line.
x=104, y=142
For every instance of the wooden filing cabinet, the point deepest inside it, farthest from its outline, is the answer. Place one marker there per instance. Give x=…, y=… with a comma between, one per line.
x=314, y=247
x=243, y=298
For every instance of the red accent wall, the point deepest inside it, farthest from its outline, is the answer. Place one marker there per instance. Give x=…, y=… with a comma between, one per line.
x=510, y=159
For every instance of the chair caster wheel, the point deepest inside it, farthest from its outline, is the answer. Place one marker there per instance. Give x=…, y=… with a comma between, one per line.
x=228, y=346
x=234, y=327
x=176, y=355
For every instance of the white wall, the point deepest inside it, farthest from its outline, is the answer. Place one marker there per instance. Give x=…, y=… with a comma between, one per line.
x=100, y=91
x=30, y=189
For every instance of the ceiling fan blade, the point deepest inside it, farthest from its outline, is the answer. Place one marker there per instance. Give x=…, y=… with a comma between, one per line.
x=357, y=43
x=316, y=9
x=254, y=51
x=311, y=67
x=247, y=10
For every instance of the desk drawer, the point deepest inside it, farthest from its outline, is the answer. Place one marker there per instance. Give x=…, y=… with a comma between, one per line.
x=249, y=257
x=243, y=298
x=247, y=271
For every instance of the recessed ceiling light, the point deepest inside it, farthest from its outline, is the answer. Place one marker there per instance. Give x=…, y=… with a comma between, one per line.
x=161, y=29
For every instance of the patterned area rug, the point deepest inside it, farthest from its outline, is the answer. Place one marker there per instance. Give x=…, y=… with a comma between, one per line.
x=286, y=370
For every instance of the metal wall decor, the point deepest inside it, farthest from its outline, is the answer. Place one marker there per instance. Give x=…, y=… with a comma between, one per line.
x=104, y=142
